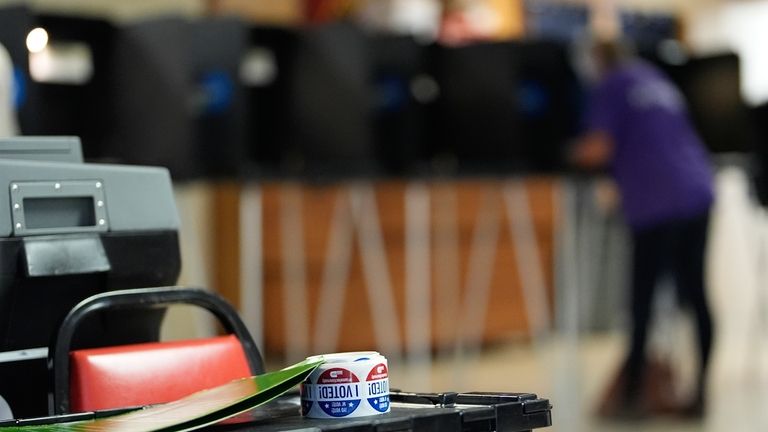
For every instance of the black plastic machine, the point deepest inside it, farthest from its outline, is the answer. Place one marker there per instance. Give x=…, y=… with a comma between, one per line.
x=69, y=230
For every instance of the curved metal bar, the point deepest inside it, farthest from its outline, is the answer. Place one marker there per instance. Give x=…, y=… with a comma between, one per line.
x=58, y=354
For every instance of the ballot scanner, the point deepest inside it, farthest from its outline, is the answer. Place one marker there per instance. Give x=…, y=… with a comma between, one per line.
x=69, y=230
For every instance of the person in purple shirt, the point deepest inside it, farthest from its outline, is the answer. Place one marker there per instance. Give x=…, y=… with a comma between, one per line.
x=638, y=126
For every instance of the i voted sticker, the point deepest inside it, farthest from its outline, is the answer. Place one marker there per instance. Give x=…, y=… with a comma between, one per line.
x=338, y=392
x=377, y=384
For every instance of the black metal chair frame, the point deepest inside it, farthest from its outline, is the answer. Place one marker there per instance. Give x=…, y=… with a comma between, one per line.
x=143, y=298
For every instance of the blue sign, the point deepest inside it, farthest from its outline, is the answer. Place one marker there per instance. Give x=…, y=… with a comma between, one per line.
x=219, y=90
x=19, y=88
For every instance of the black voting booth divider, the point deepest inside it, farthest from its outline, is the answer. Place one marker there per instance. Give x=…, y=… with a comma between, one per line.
x=711, y=86
x=549, y=104
x=403, y=88
x=77, y=106
x=331, y=126
x=178, y=99
x=152, y=94
x=217, y=47
x=340, y=104
x=473, y=119
x=504, y=107
x=759, y=117
x=271, y=56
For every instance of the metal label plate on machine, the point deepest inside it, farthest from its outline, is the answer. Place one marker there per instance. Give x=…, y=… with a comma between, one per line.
x=56, y=207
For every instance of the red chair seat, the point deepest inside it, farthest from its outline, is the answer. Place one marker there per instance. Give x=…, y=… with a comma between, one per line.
x=150, y=373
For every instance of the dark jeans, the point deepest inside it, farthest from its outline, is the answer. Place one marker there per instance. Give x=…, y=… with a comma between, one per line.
x=677, y=249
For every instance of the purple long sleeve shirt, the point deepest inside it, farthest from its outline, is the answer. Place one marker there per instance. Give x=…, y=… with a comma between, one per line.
x=660, y=165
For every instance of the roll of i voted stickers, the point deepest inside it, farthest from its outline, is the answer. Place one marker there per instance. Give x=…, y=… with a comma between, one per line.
x=352, y=384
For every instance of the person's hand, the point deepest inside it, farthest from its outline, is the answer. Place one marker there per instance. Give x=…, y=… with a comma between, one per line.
x=594, y=150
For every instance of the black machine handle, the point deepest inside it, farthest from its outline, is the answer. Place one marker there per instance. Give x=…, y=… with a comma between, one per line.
x=58, y=357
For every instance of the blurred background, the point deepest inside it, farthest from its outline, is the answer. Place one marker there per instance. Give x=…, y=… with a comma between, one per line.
x=391, y=175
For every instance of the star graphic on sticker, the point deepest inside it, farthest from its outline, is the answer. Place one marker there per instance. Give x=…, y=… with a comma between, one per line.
x=326, y=405
x=375, y=401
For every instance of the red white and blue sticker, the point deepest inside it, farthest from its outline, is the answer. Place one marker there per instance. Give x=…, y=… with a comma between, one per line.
x=337, y=392
x=307, y=397
x=377, y=384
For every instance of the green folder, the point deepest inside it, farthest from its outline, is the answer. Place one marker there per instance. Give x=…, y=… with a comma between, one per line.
x=194, y=411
